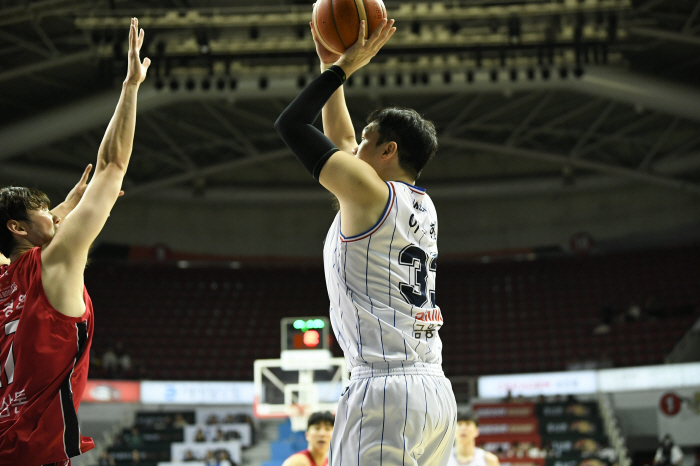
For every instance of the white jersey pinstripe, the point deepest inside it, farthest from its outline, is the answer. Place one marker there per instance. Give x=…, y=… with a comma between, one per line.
x=381, y=284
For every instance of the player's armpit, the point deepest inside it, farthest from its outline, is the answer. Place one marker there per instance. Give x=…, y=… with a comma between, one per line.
x=64, y=258
x=361, y=192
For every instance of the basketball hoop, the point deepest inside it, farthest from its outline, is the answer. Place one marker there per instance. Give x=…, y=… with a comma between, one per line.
x=299, y=416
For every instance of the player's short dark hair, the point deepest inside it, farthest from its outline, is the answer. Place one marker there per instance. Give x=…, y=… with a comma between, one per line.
x=415, y=136
x=468, y=416
x=15, y=204
x=320, y=417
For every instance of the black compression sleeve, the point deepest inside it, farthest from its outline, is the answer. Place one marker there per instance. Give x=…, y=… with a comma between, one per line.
x=295, y=124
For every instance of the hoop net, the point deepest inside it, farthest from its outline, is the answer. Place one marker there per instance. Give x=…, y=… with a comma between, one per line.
x=299, y=416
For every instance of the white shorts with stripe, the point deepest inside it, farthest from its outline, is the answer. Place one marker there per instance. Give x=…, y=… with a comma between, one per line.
x=400, y=415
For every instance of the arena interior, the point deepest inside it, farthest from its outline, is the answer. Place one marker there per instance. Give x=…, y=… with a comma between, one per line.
x=567, y=184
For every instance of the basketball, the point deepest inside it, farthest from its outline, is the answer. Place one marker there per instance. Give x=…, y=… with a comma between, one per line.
x=337, y=22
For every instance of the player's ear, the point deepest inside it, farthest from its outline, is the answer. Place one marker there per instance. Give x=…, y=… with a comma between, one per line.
x=390, y=150
x=16, y=228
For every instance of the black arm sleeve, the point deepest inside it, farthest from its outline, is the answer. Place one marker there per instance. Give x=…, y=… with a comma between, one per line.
x=295, y=124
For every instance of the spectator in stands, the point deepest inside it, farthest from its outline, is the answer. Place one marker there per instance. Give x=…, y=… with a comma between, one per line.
x=188, y=456
x=318, y=435
x=105, y=459
x=509, y=397
x=219, y=437
x=634, y=312
x=199, y=436
x=135, y=457
x=110, y=363
x=179, y=421
x=211, y=459
x=668, y=453
x=212, y=419
x=465, y=450
x=224, y=459
x=134, y=438
x=607, y=313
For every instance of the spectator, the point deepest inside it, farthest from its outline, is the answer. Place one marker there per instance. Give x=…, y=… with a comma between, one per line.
x=211, y=459
x=219, y=436
x=189, y=456
x=179, y=421
x=668, y=453
x=509, y=397
x=135, y=457
x=634, y=312
x=106, y=459
x=199, y=436
x=212, y=419
x=224, y=459
x=110, y=363
x=134, y=438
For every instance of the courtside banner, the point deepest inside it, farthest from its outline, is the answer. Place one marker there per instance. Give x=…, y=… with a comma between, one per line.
x=504, y=410
x=521, y=461
x=211, y=393
x=497, y=426
x=112, y=391
x=547, y=383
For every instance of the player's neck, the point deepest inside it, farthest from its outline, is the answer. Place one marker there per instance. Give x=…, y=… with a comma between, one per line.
x=19, y=250
x=465, y=451
x=392, y=173
x=318, y=456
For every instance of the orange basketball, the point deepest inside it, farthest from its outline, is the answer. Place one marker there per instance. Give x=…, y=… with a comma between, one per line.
x=337, y=22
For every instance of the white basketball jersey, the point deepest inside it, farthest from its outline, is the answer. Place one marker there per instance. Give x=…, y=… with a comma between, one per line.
x=479, y=458
x=381, y=284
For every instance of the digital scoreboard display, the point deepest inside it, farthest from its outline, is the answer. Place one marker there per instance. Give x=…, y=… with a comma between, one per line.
x=305, y=333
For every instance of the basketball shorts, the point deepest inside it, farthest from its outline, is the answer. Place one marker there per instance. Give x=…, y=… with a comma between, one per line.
x=400, y=415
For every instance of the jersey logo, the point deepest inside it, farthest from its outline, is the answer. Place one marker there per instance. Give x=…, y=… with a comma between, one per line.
x=418, y=206
x=5, y=292
x=427, y=323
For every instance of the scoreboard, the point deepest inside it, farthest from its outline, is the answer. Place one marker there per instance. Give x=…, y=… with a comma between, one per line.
x=304, y=333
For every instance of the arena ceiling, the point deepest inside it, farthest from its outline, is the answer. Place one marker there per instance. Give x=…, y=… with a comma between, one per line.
x=527, y=96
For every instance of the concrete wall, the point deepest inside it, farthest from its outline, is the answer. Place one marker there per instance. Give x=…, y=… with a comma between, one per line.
x=466, y=224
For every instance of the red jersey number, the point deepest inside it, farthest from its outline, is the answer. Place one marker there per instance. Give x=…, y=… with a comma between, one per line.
x=10, y=328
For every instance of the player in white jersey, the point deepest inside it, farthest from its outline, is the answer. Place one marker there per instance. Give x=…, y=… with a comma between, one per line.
x=466, y=453
x=380, y=261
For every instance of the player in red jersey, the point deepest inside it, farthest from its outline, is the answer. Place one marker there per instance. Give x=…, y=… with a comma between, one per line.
x=318, y=433
x=46, y=318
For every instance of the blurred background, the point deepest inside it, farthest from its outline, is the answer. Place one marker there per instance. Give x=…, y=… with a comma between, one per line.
x=567, y=183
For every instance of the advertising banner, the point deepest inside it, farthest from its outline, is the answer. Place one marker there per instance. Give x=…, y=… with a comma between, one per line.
x=197, y=392
x=572, y=409
x=112, y=391
x=511, y=410
x=546, y=383
x=568, y=426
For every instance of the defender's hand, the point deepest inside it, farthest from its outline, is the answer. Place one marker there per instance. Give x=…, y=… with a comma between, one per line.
x=137, y=70
x=362, y=51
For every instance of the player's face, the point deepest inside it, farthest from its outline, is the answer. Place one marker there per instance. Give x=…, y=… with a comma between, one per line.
x=41, y=226
x=319, y=436
x=367, y=150
x=467, y=431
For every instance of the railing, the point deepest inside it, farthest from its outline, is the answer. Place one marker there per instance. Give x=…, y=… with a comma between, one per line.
x=617, y=441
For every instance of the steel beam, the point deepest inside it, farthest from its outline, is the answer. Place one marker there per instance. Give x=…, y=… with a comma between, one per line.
x=562, y=160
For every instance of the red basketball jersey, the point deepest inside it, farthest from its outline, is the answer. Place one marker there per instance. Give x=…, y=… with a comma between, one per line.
x=44, y=359
x=307, y=453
